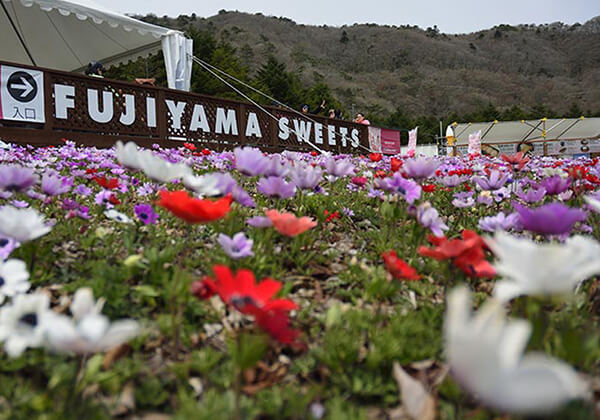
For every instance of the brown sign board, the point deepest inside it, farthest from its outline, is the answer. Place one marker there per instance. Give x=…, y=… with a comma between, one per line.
x=42, y=106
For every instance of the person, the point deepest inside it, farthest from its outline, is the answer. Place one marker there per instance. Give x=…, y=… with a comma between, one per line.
x=360, y=118
x=338, y=114
x=331, y=113
x=146, y=82
x=306, y=109
x=95, y=69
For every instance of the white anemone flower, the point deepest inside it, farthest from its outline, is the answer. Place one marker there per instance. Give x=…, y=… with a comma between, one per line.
x=530, y=268
x=88, y=331
x=204, y=185
x=23, y=321
x=160, y=170
x=485, y=353
x=593, y=203
x=118, y=216
x=22, y=224
x=128, y=155
x=13, y=278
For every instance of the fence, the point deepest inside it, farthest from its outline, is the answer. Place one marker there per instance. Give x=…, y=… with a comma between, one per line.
x=41, y=106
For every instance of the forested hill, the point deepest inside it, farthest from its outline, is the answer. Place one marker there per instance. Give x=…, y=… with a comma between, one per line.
x=398, y=73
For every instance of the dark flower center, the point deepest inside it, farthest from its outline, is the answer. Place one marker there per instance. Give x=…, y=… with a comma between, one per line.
x=243, y=301
x=3, y=242
x=401, y=190
x=30, y=319
x=143, y=216
x=13, y=187
x=2, y=281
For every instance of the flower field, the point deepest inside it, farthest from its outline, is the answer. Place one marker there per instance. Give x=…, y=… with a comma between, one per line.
x=191, y=284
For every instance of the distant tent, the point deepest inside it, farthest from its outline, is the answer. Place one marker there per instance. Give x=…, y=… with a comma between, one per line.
x=545, y=136
x=498, y=132
x=67, y=35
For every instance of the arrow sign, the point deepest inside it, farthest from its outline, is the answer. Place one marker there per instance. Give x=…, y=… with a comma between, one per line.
x=22, y=86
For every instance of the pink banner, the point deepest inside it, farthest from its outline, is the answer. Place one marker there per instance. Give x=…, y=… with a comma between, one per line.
x=390, y=141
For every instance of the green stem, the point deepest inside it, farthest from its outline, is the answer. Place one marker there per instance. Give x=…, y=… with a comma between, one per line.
x=237, y=381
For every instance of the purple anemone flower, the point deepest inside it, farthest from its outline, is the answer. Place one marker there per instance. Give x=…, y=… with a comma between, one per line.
x=555, y=185
x=7, y=245
x=276, y=167
x=420, y=168
x=242, y=197
x=532, y=195
x=306, y=177
x=501, y=194
x=146, y=214
x=274, y=186
x=55, y=185
x=225, y=182
x=495, y=181
x=259, y=222
x=429, y=218
x=82, y=190
x=462, y=203
x=453, y=180
x=103, y=199
x=397, y=184
x=485, y=199
x=17, y=178
x=250, y=161
x=237, y=247
x=550, y=219
x=145, y=189
x=338, y=168
x=499, y=222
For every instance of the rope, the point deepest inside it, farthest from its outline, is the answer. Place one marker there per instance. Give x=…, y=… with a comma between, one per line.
x=295, y=111
x=239, y=92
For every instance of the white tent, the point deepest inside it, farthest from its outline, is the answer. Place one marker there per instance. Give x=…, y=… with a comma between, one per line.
x=530, y=130
x=67, y=35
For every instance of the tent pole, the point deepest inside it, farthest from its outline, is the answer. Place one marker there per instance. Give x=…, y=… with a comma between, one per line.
x=18, y=33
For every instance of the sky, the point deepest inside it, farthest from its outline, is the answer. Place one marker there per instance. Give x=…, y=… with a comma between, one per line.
x=451, y=16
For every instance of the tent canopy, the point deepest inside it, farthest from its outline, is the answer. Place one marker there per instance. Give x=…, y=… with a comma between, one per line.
x=530, y=130
x=67, y=35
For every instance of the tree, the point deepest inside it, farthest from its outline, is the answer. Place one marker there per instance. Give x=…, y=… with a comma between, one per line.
x=574, y=111
x=274, y=78
x=344, y=39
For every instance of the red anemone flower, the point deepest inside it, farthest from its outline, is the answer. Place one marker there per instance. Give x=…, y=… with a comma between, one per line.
x=375, y=157
x=189, y=146
x=109, y=184
x=395, y=164
x=466, y=253
x=113, y=200
x=193, y=210
x=277, y=325
x=517, y=161
x=359, y=180
x=398, y=268
x=288, y=224
x=428, y=187
x=330, y=216
x=206, y=152
x=241, y=291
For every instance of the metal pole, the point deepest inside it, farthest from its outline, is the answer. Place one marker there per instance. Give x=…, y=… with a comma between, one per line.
x=18, y=33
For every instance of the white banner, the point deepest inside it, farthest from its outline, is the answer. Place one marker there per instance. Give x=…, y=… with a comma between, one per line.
x=412, y=141
x=21, y=94
x=375, y=139
x=475, y=143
